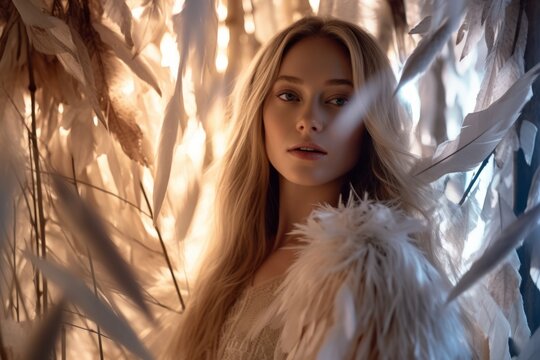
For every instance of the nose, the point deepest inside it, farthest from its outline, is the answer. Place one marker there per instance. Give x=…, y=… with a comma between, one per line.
x=310, y=119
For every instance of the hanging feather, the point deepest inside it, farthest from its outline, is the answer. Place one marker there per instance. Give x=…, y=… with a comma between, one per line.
x=481, y=132
x=472, y=27
x=431, y=45
x=527, y=139
x=360, y=288
x=507, y=241
x=119, y=12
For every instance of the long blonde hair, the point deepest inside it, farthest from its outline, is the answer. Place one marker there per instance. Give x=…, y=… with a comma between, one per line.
x=247, y=191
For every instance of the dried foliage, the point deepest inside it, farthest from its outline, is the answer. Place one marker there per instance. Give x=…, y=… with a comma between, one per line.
x=98, y=240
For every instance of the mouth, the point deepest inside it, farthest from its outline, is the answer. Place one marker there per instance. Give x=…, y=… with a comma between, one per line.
x=308, y=148
x=307, y=151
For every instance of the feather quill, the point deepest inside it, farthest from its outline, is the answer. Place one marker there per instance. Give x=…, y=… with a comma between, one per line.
x=481, y=132
x=78, y=293
x=500, y=248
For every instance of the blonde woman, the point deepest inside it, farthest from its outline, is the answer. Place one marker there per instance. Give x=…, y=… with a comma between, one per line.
x=357, y=278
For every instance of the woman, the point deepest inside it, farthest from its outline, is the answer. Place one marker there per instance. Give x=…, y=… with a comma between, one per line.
x=289, y=153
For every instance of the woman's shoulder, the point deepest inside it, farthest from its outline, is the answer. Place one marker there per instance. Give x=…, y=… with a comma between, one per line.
x=361, y=286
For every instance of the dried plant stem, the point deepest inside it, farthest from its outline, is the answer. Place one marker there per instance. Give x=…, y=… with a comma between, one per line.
x=38, y=188
x=90, y=261
x=3, y=352
x=164, y=248
x=34, y=225
x=14, y=256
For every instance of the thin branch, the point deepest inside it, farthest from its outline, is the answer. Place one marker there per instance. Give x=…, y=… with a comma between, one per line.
x=91, y=263
x=35, y=150
x=164, y=248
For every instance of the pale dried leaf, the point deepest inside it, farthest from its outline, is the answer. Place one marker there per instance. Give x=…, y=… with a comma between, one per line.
x=135, y=63
x=174, y=114
x=507, y=241
x=151, y=24
x=128, y=133
x=120, y=13
x=78, y=293
x=32, y=15
x=43, y=339
x=86, y=222
x=196, y=27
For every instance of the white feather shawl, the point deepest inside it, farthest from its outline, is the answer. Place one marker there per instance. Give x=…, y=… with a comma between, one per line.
x=361, y=289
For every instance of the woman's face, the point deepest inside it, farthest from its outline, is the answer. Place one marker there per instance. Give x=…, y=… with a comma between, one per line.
x=305, y=141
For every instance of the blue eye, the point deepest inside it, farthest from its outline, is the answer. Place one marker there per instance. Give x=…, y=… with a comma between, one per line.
x=288, y=96
x=339, y=101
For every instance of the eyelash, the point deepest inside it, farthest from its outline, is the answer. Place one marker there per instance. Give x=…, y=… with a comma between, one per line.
x=295, y=98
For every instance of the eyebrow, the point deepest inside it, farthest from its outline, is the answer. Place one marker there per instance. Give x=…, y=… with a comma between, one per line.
x=297, y=80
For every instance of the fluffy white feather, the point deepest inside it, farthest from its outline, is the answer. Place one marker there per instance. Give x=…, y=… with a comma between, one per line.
x=361, y=289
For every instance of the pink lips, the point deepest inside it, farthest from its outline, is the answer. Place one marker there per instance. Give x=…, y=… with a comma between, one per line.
x=307, y=151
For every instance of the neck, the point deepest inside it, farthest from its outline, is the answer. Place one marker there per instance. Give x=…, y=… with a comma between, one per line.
x=296, y=202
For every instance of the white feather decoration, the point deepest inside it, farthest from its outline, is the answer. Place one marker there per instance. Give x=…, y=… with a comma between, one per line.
x=361, y=289
x=481, y=132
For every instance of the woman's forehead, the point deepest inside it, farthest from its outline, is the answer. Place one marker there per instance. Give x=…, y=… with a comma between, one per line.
x=319, y=57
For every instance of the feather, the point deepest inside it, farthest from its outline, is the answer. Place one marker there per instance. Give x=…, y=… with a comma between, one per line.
x=481, y=132
x=527, y=138
x=499, y=249
x=360, y=287
x=359, y=106
x=532, y=348
x=430, y=46
x=118, y=11
x=422, y=27
x=136, y=64
x=79, y=294
x=174, y=114
x=86, y=222
x=43, y=339
x=472, y=23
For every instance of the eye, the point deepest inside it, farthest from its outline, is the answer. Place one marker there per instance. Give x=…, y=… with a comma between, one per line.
x=288, y=96
x=339, y=101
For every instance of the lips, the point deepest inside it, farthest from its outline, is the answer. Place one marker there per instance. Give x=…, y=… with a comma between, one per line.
x=308, y=147
x=307, y=151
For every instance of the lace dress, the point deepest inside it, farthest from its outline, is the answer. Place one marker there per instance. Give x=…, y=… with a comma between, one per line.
x=234, y=343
